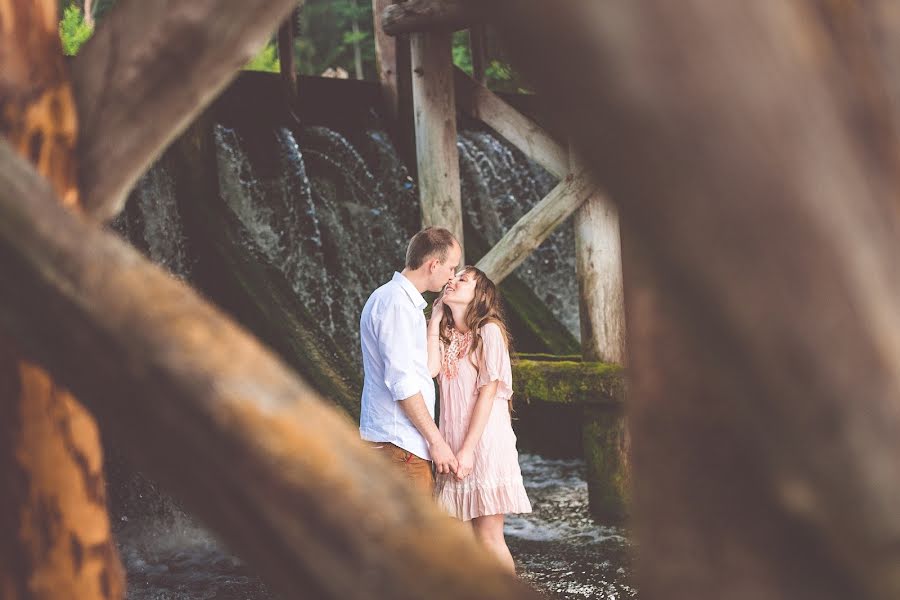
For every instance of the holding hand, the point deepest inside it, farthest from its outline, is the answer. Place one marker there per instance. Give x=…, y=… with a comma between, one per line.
x=465, y=463
x=444, y=461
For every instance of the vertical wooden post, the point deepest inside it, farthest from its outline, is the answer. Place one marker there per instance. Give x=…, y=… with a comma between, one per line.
x=598, y=261
x=55, y=534
x=437, y=156
x=286, y=58
x=394, y=73
x=477, y=35
x=386, y=59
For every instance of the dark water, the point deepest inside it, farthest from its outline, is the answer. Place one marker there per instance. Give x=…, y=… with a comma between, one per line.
x=335, y=217
x=558, y=548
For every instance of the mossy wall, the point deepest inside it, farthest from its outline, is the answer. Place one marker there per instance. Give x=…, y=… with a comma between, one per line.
x=571, y=408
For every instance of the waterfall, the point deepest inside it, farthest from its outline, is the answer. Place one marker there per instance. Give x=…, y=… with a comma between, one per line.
x=334, y=229
x=499, y=185
x=335, y=220
x=151, y=221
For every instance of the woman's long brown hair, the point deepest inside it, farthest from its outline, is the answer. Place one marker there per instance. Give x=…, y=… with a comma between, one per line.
x=486, y=307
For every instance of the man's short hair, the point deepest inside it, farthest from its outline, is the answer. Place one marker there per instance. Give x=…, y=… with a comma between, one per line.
x=431, y=242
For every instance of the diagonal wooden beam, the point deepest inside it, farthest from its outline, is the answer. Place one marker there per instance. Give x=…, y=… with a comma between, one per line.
x=536, y=225
x=202, y=406
x=150, y=68
x=523, y=133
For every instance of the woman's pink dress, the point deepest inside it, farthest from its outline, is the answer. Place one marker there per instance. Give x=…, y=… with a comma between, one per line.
x=495, y=485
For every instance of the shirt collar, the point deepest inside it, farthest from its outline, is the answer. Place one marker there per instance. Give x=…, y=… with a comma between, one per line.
x=410, y=290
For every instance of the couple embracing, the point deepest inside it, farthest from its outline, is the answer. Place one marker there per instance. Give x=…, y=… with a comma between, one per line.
x=469, y=464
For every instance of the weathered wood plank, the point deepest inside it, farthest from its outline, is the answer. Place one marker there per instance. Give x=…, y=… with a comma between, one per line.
x=534, y=227
x=598, y=265
x=477, y=47
x=201, y=406
x=533, y=140
x=415, y=16
x=437, y=156
x=286, y=63
x=55, y=534
x=386, y=60
x=148, y=71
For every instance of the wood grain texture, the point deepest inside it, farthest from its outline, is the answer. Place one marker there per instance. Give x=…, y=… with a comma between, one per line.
x=437, y=156
x=55, y=538
x=415, y=16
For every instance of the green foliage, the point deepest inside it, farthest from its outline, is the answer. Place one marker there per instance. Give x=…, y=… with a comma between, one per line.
x=325, y=36
x=498, y=74
x=265, y=60
x=462, y=55
x=73, y=31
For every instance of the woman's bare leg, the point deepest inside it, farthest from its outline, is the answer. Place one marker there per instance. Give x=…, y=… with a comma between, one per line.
x=489, y=531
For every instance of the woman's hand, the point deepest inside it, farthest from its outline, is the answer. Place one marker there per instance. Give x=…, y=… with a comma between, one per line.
x=465, y=463
x=437, y=314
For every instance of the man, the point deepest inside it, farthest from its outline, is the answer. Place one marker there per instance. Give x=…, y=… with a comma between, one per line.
x=397, y=416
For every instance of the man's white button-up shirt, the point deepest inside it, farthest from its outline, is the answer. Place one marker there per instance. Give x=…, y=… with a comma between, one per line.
x=395, y=364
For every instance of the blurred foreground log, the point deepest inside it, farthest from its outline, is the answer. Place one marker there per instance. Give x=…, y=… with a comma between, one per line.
x=55, y=538
x=756, y=181
x=147, y=72
x=197, y=403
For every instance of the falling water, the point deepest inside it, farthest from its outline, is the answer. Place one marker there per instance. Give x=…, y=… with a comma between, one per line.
x=335, y=230
x=499, y=185
x=152, y=223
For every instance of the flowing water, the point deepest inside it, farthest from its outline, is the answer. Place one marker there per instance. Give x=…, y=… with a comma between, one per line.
x=334, y=217
x=558, y=548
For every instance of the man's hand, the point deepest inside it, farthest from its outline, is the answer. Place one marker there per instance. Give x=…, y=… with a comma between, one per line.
x=443, y=458
x=465, y=463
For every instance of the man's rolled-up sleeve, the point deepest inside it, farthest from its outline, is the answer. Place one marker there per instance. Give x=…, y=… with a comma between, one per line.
x=396, y=329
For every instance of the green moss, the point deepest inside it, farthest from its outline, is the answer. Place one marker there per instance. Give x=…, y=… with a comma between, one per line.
x=568, y=382
x=547, y=357
x=608, y=474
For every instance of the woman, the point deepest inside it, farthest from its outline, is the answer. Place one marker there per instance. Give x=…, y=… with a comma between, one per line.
x=468, y=351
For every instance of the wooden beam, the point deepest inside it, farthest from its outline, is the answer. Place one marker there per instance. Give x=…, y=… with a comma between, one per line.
x=477, y=46
x=523, y=133
x=386, y=60
x=415, y=16
x=598, y=264
x=437, y=156
x=147, y=63
x=764, y=413
x=55, y=532
x=287, y=66
x=199, y=404
x=534, y=227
